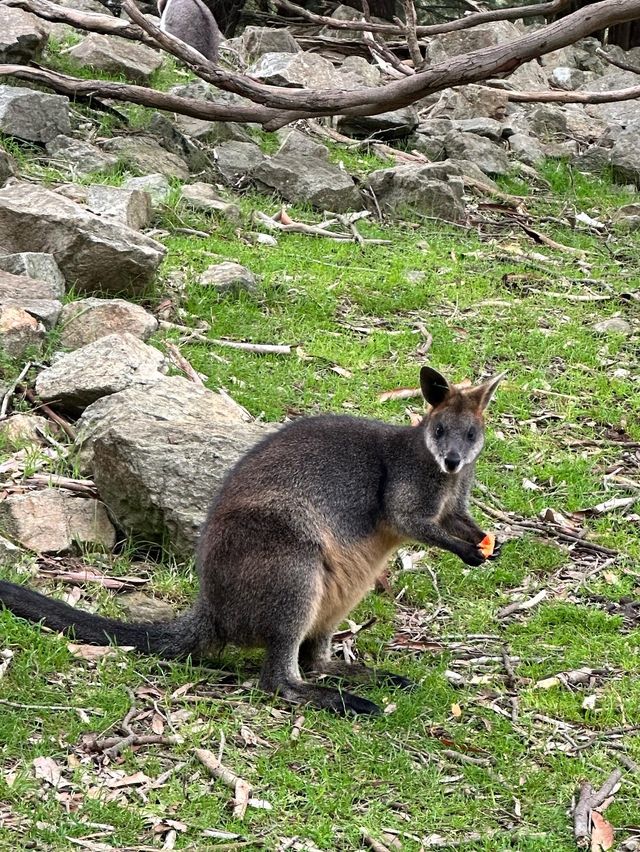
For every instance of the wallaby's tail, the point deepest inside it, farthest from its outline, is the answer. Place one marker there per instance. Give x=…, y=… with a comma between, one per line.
x=169, y=639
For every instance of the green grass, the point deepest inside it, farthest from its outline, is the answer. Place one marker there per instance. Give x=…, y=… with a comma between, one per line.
x=363, y=310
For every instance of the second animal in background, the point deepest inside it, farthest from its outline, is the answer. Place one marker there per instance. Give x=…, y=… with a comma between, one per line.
x=192, y=22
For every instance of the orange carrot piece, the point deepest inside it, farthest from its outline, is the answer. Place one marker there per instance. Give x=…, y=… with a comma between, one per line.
x=487, y=545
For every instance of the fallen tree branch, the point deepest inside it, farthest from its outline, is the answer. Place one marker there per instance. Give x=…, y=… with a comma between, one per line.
x=618, y=63
x=589, y=801
x=556, y=97
x=90, y=21
x=181, y=362
x=521, y=606
x=314, y=230
x=241, y=789
x=511, y=14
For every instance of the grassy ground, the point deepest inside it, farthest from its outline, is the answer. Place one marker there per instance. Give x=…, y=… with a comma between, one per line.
x=482, y=759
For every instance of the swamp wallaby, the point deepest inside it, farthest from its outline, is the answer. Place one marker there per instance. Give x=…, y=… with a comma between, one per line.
x=192, y=22
x=298, y=533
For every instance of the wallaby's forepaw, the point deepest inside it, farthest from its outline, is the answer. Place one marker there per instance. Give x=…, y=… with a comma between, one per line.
x=496, y=550
x=472, y=555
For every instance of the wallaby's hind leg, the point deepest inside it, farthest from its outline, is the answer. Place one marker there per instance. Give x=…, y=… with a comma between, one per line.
x=315, y=658
x=281, y=675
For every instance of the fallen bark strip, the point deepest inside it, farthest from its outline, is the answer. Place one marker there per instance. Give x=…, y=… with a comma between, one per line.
x=591, y=800
x=372, y=843
x=315, y=230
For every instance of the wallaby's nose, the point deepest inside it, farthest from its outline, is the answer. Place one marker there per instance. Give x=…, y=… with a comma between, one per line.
x=452, y=461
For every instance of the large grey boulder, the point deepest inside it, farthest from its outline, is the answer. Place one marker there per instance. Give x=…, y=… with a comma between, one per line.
x=156, y=186
x=211, y=132
x=299, y=70
x=136, y=62
x=470, y=102
x=38, y=298
x=33, y=116
x=93, y=254
x=397, y=124
x=87, y=320
x=147, y=156
x=159, y=455
x=22, y=37
x=257, y=41
x=300, y=171
x=526, y=148
x=625, y=157
x=108, y=365
x=431, y=190
x=356, y=73
x=203, y=197
x=491, y=158
x=627, y=218
x=130, y=207
x=52, y=521
x=79, y=157
x=36, y=265
x=237, y=162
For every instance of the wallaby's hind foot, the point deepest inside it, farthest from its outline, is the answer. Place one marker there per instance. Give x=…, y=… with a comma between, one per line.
x=359, y=673
x=315, y=659
x=281, y=676
x=326, y=698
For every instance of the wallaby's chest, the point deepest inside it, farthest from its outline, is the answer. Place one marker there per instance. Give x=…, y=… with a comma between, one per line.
x=349, y=571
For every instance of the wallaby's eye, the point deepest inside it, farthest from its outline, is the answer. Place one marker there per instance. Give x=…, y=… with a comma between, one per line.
x=471, y=434
x=439, y=430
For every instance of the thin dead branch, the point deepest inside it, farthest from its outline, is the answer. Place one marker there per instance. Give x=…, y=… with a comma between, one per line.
x=181, y=362
x=624, y=66
x=522, y=606
x=556, y=97
x=241, y=789
x=468, y=21
x=9, y=392
x=66, y=427
x=590, y=800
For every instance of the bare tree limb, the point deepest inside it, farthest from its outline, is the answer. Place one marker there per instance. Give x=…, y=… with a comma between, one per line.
x=473, y=20
x=410, y=31
x=576, y=97
x=91, y=21
x=625, y=66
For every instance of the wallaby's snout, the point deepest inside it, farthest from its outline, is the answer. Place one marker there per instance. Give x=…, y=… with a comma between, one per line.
x=452, y=461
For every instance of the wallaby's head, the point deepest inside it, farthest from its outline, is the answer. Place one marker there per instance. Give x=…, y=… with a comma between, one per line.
x=454, y=426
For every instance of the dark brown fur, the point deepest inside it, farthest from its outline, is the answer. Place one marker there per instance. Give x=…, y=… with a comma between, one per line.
x=298, y=533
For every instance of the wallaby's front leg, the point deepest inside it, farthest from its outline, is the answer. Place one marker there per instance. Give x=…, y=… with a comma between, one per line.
x=433, y=532
x=315, y=658
x=462, y=525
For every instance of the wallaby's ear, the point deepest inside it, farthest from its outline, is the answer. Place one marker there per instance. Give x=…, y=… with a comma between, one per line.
x=483, y=394
x=435, y=388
